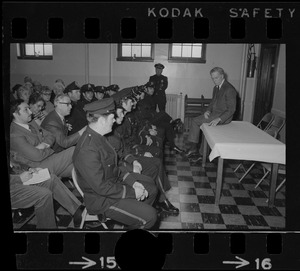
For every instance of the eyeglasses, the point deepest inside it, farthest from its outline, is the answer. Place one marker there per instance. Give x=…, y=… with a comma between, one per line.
x=68, y=104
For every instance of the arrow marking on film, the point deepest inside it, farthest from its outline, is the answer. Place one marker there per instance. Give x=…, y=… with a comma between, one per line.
x=87, y=264
x=240, y=263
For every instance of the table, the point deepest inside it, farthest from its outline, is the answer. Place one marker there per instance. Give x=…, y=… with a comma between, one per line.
x=242, y=140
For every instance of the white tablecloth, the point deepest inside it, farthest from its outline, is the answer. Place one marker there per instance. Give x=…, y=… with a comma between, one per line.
x=242, y=140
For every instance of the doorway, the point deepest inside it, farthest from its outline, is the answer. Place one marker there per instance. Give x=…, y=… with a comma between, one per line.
x=266, y=78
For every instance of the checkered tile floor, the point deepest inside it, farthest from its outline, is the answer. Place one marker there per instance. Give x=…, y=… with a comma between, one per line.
x=242, y=206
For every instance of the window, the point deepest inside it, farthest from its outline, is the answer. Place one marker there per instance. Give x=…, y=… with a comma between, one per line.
x=135, y=52
x=187, y=52
x=34, y=50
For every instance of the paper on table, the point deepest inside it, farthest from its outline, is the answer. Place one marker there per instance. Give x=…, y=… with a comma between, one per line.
x=41, y=176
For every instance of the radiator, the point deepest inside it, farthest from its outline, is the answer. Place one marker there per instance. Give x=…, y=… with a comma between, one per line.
x=175, y=106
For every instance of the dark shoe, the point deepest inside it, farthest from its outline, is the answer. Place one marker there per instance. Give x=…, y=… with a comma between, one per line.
x=77, y=217
x=102, y=218
x=167, y=207
x=175, y=122
x=191, y=152
x=176, y=149
x=196, y=159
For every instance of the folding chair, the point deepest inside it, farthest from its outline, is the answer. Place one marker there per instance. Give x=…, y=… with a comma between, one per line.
x=272, y=129
x=85, y=215
x=263, y=124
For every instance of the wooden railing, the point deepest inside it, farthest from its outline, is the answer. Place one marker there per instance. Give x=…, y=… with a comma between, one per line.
x=193, y=107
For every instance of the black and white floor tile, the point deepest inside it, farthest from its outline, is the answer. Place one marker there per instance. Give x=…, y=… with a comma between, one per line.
x=242, y=206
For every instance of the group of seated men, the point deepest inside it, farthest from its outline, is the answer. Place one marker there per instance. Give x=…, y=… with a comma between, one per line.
x=113, y=139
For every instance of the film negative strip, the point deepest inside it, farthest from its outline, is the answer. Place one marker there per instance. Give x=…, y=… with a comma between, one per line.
x=228, y=35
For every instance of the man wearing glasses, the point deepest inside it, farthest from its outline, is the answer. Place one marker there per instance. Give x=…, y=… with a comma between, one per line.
x=55, y=123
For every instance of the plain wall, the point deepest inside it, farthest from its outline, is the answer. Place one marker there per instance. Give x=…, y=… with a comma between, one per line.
x=97, y=64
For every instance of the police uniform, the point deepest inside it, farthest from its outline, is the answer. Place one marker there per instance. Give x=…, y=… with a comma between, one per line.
x=130, y=134
x=160, y=86
x=100, y=89
x=160, y=119
x=98, y=174
x=77, y=117
x=85, y=88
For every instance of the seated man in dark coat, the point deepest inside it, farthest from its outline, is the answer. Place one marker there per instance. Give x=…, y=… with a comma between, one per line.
x=77, y=118
x=41, y=196
x=125, y=199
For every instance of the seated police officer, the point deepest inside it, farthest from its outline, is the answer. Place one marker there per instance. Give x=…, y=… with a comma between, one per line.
x=105, y=193
x=149, y=166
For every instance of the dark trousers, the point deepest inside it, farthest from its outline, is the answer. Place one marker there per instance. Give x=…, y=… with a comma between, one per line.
x=195, y=129
x=160, y=101
x=154, y=168
x=41, y=197
x=136, y=214
x=162, y=119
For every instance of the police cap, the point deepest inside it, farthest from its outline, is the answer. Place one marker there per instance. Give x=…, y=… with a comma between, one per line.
x=149, y=84
x=122, y=94
x=87, y=87
x=74, y=85
x=113, y=87
x=159, y=66
x=101, y=107
x=100, y=89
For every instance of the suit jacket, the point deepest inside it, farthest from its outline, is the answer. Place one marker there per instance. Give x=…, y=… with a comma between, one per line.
x=54, y=125
x=223, y=104
x=98, y=175
x=160, y=84
x=23, y=142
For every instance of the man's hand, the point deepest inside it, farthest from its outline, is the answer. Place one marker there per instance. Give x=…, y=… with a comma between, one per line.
x=206, y=114
x=152, y=132
x=42, y=146
x=214, y=122
x=149, y=140
x=69, y=126
x=137, y=167
x=140, y=192
x=25, y=176
x=148, y=154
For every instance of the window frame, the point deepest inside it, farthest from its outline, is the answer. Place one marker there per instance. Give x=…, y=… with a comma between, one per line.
x=137, y=59
x=24, y=56
x=176, y=59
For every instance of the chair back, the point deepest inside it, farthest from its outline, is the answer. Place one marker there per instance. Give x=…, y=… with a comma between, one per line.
x=276, y=125
x=265, y=121
x=74, y=177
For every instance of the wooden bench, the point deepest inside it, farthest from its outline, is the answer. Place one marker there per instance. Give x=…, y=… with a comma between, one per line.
x=193, y=107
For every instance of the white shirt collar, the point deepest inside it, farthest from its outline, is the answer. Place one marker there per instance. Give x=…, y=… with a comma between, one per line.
x=221, y=83
x=26, y=126
x=61, y=117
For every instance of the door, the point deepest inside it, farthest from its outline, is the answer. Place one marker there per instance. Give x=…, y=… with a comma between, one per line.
x=266, y=77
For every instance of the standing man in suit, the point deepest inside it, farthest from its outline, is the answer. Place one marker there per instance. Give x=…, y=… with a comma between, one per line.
x=55, y=123
x=219, y=111
x=160, y=85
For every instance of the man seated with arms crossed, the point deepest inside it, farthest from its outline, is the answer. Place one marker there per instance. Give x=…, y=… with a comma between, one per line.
x=41, y=196
x=32, y=143
x=96, y=164
x=219, y=111
x=55, y=123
